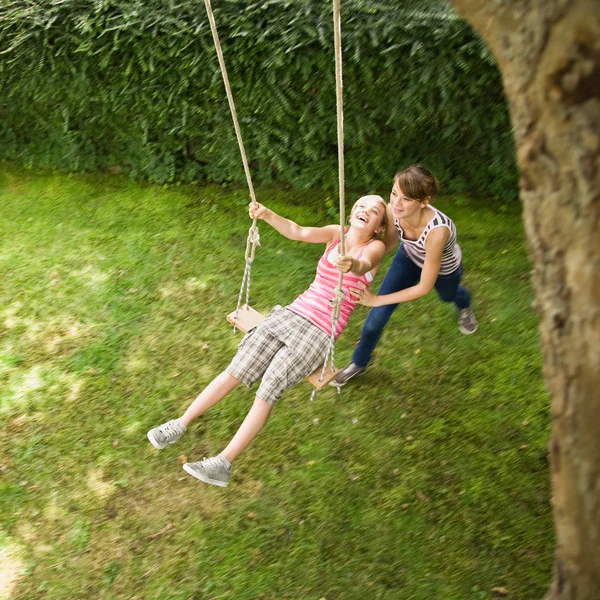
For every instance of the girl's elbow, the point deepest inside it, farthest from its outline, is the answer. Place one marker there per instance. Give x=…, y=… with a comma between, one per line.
x=362, y=268
x=299, y=235
x=423, y=290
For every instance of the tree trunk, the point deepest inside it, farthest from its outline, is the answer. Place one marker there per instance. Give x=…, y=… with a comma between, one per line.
x=548, y=52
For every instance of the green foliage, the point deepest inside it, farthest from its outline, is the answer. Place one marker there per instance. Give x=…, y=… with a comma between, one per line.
x=135, y=86
x=426, y=479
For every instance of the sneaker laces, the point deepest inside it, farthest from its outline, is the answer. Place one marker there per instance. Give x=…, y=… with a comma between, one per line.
x=170, y=428
x=211, y=462
x=466, y=314
x=214, y=465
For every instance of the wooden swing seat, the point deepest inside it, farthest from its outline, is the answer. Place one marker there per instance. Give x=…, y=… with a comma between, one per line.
x=249, y=318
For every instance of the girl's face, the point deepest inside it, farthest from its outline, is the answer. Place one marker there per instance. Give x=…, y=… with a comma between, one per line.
x=367, y=214
x=403, y=207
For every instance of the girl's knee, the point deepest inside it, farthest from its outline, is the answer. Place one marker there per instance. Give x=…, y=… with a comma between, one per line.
x=458, y=295
x=447, y=297
x=262, y=405
x=261, y=410
x=376, y=321
x=371, y=328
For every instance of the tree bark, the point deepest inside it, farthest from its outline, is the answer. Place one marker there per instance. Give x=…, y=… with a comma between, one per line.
x=548, y=52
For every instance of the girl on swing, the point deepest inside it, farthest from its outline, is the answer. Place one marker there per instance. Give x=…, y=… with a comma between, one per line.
x=428, y=257
x=291, y=342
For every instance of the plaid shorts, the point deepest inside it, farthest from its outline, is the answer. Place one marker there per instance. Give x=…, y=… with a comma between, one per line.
x=283, y=349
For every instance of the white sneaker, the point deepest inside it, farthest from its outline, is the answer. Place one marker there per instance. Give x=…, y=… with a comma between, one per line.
x=215, y=470
x=467, y=323
x=347, y=373
x=167, y=433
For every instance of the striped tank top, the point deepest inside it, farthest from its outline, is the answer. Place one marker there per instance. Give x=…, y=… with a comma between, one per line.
x=313, y=304
x=451, y=255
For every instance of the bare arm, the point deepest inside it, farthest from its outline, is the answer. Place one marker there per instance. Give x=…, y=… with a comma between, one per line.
x=293, y=231
x=431, y=269
x=369, y=261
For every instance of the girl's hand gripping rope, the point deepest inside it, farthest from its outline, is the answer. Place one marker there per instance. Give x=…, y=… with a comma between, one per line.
x=257, y=211
x=344, y=264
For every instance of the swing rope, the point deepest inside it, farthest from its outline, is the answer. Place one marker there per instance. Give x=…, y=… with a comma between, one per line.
x=253, y=235
x=339, y=89
x=253, y=239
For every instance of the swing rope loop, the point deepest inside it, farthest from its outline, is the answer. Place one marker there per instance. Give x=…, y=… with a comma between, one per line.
x=253, y=236
x=339, y=88
x=252, y=241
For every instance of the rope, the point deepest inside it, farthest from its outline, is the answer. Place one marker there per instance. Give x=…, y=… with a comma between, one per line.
x=339, y=95
x=253, y=236
x=339, y=88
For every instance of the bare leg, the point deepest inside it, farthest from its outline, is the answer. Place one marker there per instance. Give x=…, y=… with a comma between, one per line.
x=253, y=423
x=216, y=390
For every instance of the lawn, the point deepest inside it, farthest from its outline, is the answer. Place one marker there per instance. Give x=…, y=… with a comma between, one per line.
x=427, y=478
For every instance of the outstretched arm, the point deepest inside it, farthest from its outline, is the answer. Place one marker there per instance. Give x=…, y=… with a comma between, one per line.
x=293, y=231
x=433, y=261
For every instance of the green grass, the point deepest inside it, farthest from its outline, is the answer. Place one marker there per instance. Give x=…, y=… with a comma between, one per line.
x=427, y=478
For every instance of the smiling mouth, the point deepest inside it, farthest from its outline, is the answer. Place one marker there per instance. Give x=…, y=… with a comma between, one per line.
x=362, y=219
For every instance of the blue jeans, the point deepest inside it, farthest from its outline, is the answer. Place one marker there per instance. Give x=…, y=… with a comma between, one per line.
x=402, y=274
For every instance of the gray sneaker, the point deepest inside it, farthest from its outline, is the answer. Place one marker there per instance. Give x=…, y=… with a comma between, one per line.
x=467, y=323
x=167, y=433
x=215, y=470
x=347, y=373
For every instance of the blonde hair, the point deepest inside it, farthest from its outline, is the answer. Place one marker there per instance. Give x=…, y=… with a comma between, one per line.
x=384, y=221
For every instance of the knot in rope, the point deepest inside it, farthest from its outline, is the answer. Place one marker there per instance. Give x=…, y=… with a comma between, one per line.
x=254, y=235
x=252, y=241
x=336, y=303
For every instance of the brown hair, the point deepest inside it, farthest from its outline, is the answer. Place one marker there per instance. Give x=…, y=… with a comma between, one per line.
x=417, y=183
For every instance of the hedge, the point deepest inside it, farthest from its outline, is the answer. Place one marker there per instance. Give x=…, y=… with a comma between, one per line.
x=134, y=86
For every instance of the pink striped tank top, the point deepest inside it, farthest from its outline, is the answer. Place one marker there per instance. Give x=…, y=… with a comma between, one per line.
x=314, y=304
